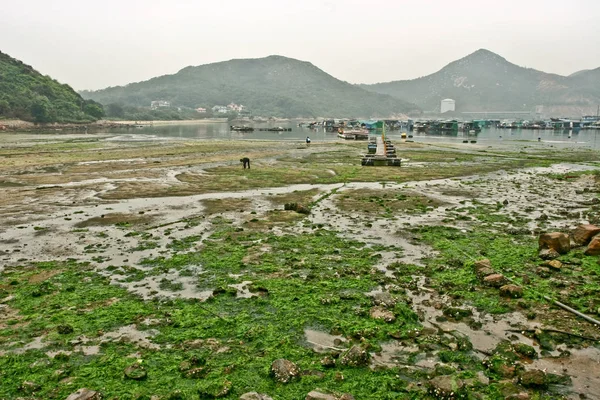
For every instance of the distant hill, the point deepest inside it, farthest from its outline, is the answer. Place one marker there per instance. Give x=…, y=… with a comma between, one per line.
x=271, y=86
x=485, y=81
x=28, y=95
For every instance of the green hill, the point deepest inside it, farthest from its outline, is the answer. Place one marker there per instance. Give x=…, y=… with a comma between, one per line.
x=28, y=95
x=271, y=86
x=485, y=81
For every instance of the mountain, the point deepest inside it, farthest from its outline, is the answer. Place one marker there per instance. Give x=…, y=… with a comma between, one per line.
x=485, y=81
x=28, y=95
x=270, y=86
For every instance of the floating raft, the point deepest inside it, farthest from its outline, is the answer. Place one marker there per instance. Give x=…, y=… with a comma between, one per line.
x=381, y=153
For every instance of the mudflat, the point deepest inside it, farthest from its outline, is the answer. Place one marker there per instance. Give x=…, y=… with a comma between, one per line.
x=143, y=267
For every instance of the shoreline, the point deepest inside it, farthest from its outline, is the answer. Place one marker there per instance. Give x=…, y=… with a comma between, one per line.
x=14, y=125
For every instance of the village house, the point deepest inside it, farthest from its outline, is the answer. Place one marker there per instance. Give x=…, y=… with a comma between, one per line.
x=201, y=110
x=159, y=104
x=220, y=109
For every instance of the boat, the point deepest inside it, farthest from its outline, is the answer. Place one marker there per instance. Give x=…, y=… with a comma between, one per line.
x=353, y=134
x=241, y=128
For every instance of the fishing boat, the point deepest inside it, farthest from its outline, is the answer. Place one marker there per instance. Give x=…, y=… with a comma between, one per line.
x=241, y=128
x=353, y=134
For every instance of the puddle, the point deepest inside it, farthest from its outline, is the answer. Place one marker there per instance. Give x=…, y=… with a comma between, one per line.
x=243, y=292
x=583, y=366
x=322, y=342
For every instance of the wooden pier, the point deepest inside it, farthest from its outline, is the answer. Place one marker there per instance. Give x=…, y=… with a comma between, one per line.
x=384, y=155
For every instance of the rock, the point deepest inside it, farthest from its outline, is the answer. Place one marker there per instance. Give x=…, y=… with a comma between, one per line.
x=584, y=233
x=84, y=394
x=495, y=280
x=64, y=329
x=328, y=362
x=284, y=370
x=346, y=396
x=593, y=248
x=512, y=291
x=299, y=208
x=255, y=396
x=445, y=386
x=534, y=378
x=555, y=264
x=384, y=299
x=383, y=314
x=136, y=372
x=555, y=240
x=483, y=272
x=484, y=263
x=518, y=396
x=29, y=387
x=457, y=313
x=355, y=357
x=543, y=272
x=316, y=395
x=548, y=254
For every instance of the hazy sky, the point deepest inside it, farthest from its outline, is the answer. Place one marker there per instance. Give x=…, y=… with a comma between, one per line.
x=95, y=44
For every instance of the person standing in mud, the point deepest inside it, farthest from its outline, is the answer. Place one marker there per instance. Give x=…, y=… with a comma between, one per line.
x=246, y=162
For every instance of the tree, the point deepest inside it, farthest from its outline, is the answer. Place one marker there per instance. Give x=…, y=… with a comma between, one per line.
x=40, y=110
x=94, y=109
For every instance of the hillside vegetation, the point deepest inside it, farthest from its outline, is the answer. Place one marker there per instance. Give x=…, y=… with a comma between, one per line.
x=271, y=86
x=485, y=81
x=28, y=95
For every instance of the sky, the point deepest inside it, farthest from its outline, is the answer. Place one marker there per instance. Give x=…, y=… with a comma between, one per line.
x=95, y=44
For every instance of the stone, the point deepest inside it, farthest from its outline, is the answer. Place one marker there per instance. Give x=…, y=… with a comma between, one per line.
x=255, y=396
x=29, y=387
x=346, y=396
x=316, y=395
x=495, y=280
x=328, y=362
x=555, y=264
x=484, y=263
x=284, y=370
x=384, y=299
x=544, y=272
x=379, y=312
x=457, y=313
x=85, y=394
x=548, y=254
x=584, y=233
x=356, y=356
x=136, y=372
x=510, y=290
x=534, y=378
x=483, y=272
x=445, y=386
x=555, y=240
x=64, y=329
x=518, y=396
x=593, y=248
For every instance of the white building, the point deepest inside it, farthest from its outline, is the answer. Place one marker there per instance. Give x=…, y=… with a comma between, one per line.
x=220, y=109
x=159, y=103
x=447, y=105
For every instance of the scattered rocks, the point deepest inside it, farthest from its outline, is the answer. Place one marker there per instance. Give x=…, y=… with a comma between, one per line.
x=534, y=378
x=136, y=372
x=518, y=396
x=85, y=394
x=284, y=370
x=584, y=233
x=255, y=396
x=495, y=280
x=355, y=357
x=557, y=241
x=512, y=291
x=382, y=314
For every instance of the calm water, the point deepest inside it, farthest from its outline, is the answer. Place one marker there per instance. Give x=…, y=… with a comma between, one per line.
x=491, y=136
